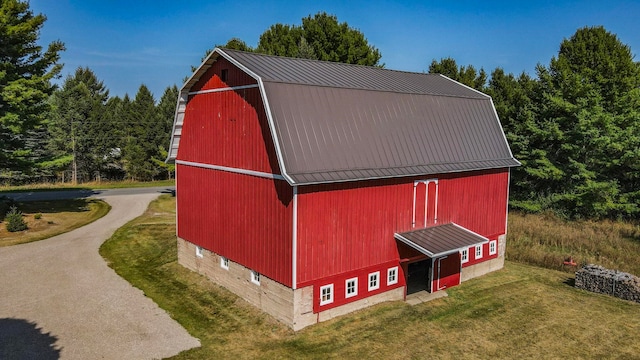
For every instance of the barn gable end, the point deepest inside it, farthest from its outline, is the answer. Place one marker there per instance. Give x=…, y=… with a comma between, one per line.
x=227, y=124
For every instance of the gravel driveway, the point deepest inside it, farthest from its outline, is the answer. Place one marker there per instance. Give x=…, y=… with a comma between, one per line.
x=59, y=299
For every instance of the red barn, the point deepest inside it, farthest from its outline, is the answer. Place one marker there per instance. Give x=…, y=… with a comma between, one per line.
x=313, y=189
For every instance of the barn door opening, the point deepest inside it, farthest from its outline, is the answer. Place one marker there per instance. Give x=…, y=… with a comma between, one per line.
x=425, y=203
x=419, y=276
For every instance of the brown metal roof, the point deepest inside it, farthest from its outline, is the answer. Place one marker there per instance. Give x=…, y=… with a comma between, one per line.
x=334, y=134
x=334, y=122
x=441, y=239
x=339, y=75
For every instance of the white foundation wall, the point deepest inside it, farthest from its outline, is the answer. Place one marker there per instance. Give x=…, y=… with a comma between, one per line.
x=488, y=266
x=270, y=296
x=294, y=308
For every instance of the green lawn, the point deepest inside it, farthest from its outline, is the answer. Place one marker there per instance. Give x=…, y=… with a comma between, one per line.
x=519, y=312
x=55, y=218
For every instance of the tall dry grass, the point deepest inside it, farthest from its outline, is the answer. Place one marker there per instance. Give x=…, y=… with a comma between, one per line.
x=546, y=240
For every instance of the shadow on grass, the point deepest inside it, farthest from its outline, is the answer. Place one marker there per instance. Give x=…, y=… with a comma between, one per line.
x=21, y=339
x=170, y=191
x=55, y=206
x=47, y=207
x=571, y=281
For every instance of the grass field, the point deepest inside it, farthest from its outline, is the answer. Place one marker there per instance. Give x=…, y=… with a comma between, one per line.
x=522, y=312
x=545, y=240
x=87, y=185
x=57, y=217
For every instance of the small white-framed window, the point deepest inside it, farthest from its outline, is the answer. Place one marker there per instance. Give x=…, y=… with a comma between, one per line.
x=351, y=287
x=255, y=277
x=479, y=252
x=199, y=252
x=326, y=294
x=464, y=256
x=374, y=281
x=493, y=247
x=224, y=263
x=392, y=276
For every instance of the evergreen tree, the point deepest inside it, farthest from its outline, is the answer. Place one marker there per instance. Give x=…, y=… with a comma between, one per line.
x=144, y=132
x=516, y=103
x=166, y=110
x=71, y=109
x=25, y=81
x=305, y=51
x=117, y=116
x=587, y=127
x=78, y=127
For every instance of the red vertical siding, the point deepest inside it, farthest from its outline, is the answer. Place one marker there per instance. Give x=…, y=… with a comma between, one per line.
x=228, y=128
x=211, y=78
x=345, y=227
x=446, y=272
x=485, y=253
x=339, y=285
x=244, y=218
x=420, y=205
x=432, y=206
x=477, y=201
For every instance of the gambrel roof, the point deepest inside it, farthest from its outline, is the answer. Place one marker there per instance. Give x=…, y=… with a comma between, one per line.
x=334, y=122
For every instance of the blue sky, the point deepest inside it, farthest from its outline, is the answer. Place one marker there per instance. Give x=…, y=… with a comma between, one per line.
x=128, y=43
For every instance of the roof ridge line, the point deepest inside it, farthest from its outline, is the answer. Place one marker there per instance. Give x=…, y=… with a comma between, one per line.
x=378, y=90
x=326, y=62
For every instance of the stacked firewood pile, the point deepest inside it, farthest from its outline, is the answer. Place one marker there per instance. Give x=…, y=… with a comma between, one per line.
x=611, y=282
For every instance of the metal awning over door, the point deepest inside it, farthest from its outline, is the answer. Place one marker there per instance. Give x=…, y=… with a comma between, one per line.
x=441, y=240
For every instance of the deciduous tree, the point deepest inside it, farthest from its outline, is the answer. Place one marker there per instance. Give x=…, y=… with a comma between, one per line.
x=463, y=74
x=320, y=37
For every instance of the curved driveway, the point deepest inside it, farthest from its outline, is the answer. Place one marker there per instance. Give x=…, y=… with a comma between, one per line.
x=63, y=288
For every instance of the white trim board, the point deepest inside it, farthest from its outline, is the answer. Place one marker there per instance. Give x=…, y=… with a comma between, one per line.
x=233, y=88
x=231, y=169
x=294, y=240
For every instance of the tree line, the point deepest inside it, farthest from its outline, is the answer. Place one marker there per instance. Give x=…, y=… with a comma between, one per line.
x=75, y=132
x=91, y=136
x=575, y=125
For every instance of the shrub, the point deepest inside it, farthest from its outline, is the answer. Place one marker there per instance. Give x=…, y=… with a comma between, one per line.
x=14, y=220
x=5, y=204
x=37, y=216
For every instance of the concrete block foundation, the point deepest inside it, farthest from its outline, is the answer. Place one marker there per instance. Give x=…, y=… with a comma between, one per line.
x=294, y=308
x=488, y=266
